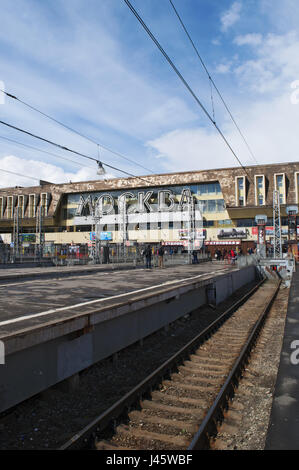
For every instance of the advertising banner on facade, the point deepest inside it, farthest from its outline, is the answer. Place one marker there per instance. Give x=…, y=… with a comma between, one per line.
x=227, y=242
x=195, y=235
x=106, y=236
x=232, y=233
x=29, y=237
x=103, y=236
x=270, y=231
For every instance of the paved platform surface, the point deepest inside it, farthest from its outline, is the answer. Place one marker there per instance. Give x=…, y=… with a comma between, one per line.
x=12, y=274
x=283, y=432
x=28, y=303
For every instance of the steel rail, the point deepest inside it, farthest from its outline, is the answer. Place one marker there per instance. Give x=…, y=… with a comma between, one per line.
x=84, y=438
x=208, y=427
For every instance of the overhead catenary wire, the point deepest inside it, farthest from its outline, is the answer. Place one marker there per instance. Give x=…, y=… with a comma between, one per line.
x=212, y=101
x=45, y=151
x=153, y=38
x=18, y=174
x=213, y=83
x=74, y=130
x=63, y=147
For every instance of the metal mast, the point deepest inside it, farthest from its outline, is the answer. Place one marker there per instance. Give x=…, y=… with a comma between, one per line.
x=39, y=233
x=16, y=233
x=277, y=245
x=190, y=226
x=97, y=221
x=123, y=223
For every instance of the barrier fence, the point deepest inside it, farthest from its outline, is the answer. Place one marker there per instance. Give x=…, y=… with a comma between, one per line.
x=104, y=254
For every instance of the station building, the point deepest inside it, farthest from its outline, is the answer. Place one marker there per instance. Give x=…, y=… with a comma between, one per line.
x=227, y=200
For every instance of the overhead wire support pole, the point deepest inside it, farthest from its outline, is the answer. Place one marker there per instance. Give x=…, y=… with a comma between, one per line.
x=16, y=233
x=185, y=84
x=191, y=227
x=277, y=243
x=39, y=242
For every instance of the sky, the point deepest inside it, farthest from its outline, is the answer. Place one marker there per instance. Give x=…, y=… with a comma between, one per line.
x=90, y=65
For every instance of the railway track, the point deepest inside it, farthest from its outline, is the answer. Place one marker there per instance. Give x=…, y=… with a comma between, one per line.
x=181, y=403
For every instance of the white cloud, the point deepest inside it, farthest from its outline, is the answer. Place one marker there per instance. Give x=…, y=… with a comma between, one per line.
x=269, y=126
x=231, y=16
x=192, y=149
x=223, y=68
x=40, y=170
x=266, y=114
x=253, y=39
x=101, y=82
x=274, y=66
x=264, y=110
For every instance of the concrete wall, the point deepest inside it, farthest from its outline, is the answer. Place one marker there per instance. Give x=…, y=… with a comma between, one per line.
x=226, y=285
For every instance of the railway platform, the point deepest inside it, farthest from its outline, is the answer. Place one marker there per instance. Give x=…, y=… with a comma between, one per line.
x=283, y=428
x=53, y=329
x=21, y=273
x=10, y=273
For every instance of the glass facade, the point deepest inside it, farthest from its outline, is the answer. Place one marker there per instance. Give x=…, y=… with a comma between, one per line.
x=209, y=188
x=207, y=205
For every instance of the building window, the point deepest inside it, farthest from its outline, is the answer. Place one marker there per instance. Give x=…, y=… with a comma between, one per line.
x=297, y=186
x=31, y=206
x=225, y=222
x=220, y=205
x=209, y=188
x=280, y=186
x=9, y=210
x=245, y=222
x=1, y=207
x=44, y=204
x=260, y=191
x=208, y=223
x=21, y=206
x=240, y=185
x=212, y=205
x=279, y=181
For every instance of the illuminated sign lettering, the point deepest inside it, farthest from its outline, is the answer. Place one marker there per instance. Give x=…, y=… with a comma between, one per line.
x=106, y=203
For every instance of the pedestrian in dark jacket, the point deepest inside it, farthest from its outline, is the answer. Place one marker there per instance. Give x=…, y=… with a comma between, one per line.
x=148, y=257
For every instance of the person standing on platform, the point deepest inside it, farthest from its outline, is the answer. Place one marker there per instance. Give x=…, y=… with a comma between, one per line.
x=161, y=255
x=233, y=256
x=148, y=257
